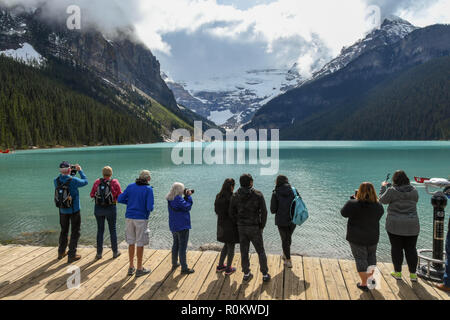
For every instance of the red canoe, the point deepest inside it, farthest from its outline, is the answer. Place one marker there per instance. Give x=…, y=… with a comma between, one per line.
x=4, y=152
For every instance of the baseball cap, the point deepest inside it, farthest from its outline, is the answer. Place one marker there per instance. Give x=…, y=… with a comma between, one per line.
x=64, y=164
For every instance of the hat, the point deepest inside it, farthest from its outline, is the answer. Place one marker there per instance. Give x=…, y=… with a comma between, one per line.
x=64, y=164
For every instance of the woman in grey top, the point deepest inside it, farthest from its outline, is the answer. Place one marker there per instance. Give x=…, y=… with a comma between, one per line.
x=402, y=223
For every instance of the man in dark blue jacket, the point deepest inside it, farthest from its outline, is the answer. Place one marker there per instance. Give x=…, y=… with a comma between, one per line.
x=70, y=216
x=139, y=199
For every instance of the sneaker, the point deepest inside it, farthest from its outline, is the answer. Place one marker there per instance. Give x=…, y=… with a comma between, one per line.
x=187, y=271
x=230, y=271
x=116, y=255
x=397, y=275
x=414, y=277
x=131, y=271
x=363, y=288
x=443, y=287
x=288, y=263
x=98, y=257
x=266, y=278
x=220, y=269
x=73, y=259
x=143, y=272
x=248, y=277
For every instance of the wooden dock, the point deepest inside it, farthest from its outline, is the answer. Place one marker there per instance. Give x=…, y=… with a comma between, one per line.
x=34, y=273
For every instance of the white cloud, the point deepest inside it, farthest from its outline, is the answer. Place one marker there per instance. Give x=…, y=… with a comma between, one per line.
x=439, y=12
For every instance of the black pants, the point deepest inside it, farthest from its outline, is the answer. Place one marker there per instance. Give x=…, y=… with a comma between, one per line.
x=252, y=234
x=66, y=221
x=286, y=239
x=400, y=244
x=227, y=251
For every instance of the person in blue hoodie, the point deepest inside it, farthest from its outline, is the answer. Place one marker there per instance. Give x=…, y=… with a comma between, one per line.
x=180, y=204
x=70, y=216
x=139, y=199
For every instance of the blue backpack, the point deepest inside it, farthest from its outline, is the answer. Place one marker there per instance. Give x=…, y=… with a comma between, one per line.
x=300, y=213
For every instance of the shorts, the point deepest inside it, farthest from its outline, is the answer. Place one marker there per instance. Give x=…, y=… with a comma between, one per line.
x=137, y=232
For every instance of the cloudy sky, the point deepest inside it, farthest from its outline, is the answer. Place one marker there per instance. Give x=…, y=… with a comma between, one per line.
x=200, y=39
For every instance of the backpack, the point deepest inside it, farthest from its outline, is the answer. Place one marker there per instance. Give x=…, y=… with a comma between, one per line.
x=103, y=195
x=63, y=198
x=299, y=212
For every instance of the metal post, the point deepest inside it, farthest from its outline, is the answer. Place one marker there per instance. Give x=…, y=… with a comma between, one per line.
x=439, y=202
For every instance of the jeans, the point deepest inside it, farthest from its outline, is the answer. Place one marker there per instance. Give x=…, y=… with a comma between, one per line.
x=286, y=239
x=400, y=244
x=67, y=220
x=180, y=242
x=252, y=234
x=227, y=251
x=447, y=264
x=109, y=214
x=365, y=256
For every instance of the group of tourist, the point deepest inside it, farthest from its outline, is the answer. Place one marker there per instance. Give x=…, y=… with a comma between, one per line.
x=241, y=219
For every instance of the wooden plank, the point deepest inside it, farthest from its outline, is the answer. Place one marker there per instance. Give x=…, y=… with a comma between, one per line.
x=173, y=283
x=399, y=288
x=16, y=253
x=294, y=280
x=9, y=272
x=57, y=289
x=149, y=286
x=90, y=286
x=271, y=290
x=423, y=290
x=124, y=284
x=191, y=286
x=41, y=273
x=314, y=276
x=251, y=289
x=351, y=278
x=213, y=283
x=116, y=278
x=4, y=250
x=334, y=280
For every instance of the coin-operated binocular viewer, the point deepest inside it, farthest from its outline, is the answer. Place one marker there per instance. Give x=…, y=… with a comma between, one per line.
x=433, y=268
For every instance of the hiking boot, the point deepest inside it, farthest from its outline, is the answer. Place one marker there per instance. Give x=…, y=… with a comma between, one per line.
x=220, y=269
x=187, y=271
x=143, y=272
x=414, y=277
x=175, y=266
x=62, y=255
x=443, y=287
x=248, y=277
x=266, y=278
x=397, y=275
x=116, y=255
x=73, y=259
x=230, y=271
x=131, y=271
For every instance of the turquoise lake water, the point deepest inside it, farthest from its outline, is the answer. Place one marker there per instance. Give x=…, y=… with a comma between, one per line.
x=326, y=174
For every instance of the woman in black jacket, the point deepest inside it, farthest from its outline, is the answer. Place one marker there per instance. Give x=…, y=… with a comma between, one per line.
x=363, y=230
x=280, y=205
x=227, y=230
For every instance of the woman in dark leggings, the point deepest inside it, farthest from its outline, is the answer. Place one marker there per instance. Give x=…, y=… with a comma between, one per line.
x=402, y=223
x=227, y=230
x=280, y=205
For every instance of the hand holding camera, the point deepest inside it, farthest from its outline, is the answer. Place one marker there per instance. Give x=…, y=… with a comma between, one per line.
x=188, y=192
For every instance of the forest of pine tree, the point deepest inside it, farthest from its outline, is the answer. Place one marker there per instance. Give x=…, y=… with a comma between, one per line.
x=68, y=106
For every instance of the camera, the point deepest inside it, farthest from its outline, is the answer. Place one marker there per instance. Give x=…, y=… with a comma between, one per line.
x=73, y=171
x=187, y=190
x=355, y=195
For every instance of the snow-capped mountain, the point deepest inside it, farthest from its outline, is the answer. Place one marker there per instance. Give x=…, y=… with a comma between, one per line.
x=232, y=100
x=392, y=30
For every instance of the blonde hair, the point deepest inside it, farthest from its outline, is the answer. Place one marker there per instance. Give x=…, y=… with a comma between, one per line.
x=145, y=175
x=176, y=190
x=367, y=193
x=107, y=172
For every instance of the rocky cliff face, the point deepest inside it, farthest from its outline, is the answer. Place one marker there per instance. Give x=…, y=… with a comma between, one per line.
x=122, y=60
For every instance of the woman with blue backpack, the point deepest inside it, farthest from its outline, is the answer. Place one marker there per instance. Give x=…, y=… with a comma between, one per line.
x=281, y=205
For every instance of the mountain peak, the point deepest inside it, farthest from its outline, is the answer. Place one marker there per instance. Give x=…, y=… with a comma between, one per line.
x=394, y=19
